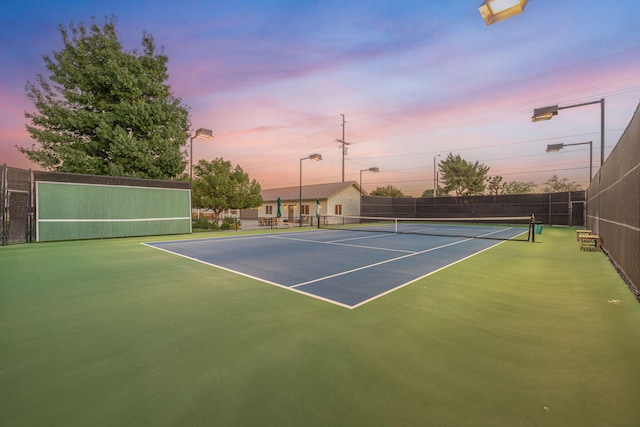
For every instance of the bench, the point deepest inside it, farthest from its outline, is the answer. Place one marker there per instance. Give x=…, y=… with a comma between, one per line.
x=582, y=232
x=589, y=242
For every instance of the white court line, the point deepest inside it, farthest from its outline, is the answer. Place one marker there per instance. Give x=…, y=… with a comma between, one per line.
x=445, y=228
x=343, y=244
x=423, y=276
x=250, y=276
x=378, y=263
x=376, y=236
x=390, y=260
x=74, y=220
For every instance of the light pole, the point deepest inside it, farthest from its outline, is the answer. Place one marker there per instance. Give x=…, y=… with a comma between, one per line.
x=553, y=148
x=546, y=113
x=435, y=177
x=316, y=157
x=204, y=133
x=372, y=169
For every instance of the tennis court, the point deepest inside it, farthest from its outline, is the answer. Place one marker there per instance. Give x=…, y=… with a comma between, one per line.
x=347, y=267
x=112, y=333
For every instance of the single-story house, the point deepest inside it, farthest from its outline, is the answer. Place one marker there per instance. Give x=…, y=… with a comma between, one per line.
x=336, y=198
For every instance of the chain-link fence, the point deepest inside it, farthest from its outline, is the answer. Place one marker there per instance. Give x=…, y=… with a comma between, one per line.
x=613, y=204
x=16, y=225
x=550, y=208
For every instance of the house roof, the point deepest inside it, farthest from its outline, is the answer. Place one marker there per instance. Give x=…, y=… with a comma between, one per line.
x=309, y=192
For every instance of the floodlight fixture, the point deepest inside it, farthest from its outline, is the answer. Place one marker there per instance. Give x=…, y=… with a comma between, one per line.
x=204, y=133
x=493, y=11
x=554, y=148
x=544, y=113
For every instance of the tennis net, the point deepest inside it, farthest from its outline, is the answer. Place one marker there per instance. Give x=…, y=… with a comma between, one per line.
x=494, y=228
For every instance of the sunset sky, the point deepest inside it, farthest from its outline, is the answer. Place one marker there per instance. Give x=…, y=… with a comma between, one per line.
x=414, y=80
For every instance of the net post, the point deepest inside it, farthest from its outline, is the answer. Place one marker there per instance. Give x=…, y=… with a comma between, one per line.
x=532, y=229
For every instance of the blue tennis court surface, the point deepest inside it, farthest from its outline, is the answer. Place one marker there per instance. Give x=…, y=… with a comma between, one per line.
x=347, y=268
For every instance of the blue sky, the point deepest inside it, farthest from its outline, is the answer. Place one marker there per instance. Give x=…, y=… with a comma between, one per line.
x=414, y=79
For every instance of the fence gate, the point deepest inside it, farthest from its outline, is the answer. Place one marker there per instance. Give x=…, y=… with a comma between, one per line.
x=578, y=214
x=16, y=206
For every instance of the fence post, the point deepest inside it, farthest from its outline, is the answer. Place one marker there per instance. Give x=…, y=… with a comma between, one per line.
x=3, y=204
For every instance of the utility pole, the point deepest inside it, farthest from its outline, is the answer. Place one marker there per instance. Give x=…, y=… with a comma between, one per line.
x=343, y=145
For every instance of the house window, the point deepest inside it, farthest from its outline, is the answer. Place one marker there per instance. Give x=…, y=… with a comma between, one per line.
x=338, y=209
x=269, y=210
x=305, y=210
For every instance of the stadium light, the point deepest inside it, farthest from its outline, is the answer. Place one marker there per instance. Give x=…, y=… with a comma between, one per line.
x=546, y=113
x=372, y=169
x=493, y=11
x=317, y=158
x=554, y=148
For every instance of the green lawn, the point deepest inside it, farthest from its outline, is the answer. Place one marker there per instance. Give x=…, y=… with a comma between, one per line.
x=113, y=333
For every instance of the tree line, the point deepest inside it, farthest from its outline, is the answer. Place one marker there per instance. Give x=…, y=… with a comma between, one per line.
x=460, y=177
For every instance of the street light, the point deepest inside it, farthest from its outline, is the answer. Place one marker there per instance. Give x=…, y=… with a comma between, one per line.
x=316, y=157
x=554, y=148
x=493, y=11
x=372, y=169
x=204, y=133
x=546, y=113
x=435, y=177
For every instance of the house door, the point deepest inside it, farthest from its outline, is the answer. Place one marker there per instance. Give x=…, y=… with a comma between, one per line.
x=290, y=212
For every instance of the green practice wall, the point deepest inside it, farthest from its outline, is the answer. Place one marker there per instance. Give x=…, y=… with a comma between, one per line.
x=69, y=211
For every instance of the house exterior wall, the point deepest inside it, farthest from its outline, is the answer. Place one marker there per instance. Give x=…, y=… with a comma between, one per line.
x=262, y=210
x=349, y=199
x=284, y=208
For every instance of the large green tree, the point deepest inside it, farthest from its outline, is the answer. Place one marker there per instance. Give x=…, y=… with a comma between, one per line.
x=217, y=185
x=388, y=191
x=105, y=111
x=461, y=176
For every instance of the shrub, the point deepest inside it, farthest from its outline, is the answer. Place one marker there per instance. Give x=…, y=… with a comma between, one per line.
x=230, y=223
x=204, y=224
